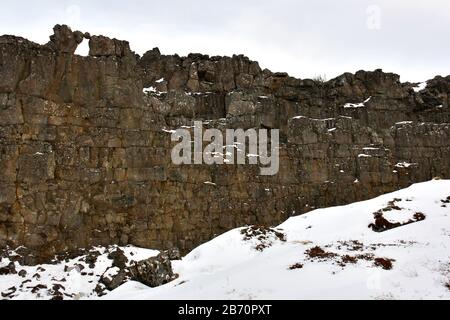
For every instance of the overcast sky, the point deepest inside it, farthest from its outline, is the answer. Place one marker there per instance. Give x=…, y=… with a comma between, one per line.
x=303, y=38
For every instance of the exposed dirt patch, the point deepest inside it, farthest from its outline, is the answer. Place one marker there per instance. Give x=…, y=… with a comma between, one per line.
x=265, y=236
x=407, y=243
x=445, y=202
x=418, y=216
x=349, y=259
x=296, y=266
x=365, y=256
x=346, y=258
x=384, y=263
x=401, y=243
x=318, y=253
x=381, y=224
x=392, y=205
x=352, y=245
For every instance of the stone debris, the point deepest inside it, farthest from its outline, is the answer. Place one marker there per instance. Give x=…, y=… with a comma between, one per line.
x=73, y=278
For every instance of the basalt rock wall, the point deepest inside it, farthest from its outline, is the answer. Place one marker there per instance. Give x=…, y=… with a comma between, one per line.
x=85, y=143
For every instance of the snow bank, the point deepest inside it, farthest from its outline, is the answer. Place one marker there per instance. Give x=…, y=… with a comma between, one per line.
x=329, y=253
x=229, y=267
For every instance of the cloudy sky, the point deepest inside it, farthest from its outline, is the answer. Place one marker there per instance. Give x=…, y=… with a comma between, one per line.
x=303, y=38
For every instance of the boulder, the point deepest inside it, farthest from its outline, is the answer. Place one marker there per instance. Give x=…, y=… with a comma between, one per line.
x=119, y=258
x=114, y=278
x=154, y=271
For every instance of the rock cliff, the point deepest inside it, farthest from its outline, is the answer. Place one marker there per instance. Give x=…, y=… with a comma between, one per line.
x=85, y=149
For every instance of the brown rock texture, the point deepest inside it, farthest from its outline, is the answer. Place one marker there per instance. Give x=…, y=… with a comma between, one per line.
x=85, y=154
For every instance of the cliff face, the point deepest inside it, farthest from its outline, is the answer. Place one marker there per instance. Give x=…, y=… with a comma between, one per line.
x=85, y=154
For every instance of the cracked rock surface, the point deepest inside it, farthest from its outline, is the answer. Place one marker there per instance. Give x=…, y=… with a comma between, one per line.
x=85, y=149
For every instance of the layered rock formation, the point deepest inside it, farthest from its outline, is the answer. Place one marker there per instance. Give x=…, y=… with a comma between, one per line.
x=85, y=153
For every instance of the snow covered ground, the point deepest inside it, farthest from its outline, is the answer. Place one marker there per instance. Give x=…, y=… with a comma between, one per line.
x=71, y=278
x=229, y=267
x=327, y=253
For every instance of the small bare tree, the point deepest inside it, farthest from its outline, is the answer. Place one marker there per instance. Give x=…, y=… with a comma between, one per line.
x=321, y=78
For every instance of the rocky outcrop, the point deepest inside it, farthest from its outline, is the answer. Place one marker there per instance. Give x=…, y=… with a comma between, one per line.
x=64, y=40
x=152, y=272
x=85, y=154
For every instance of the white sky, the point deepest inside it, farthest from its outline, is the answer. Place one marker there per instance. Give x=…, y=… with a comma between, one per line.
x=304, y=38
